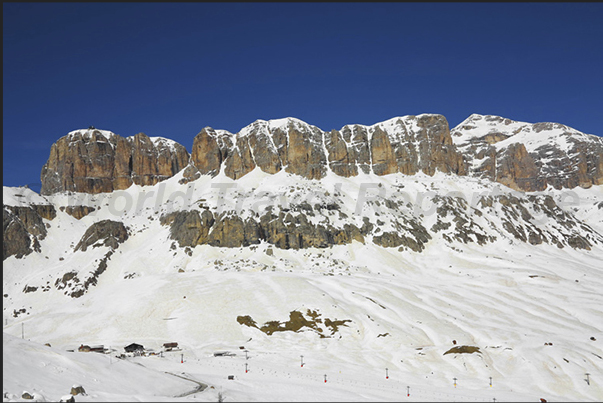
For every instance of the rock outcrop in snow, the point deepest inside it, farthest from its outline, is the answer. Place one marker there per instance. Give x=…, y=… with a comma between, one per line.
x=23, y=228
x=103, y=233
x=284, y=230
x=529, y=157
x=329, y=221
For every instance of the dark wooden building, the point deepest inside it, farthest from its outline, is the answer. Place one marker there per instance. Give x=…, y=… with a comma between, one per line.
x=170, y=346
x=133, y=348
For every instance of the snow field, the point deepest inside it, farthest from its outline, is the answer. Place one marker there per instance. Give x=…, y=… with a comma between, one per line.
x=419, y=312
x=51, y=372
x=406, y=308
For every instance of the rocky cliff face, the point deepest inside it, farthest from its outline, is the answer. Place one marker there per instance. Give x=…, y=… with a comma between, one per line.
x=95, y=161
x=523, y=156
x=402, y=212
x=529, y=157
x=284, y=230
x=407, y=144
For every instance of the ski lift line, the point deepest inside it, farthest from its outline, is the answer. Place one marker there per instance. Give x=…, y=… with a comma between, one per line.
x=390, y=385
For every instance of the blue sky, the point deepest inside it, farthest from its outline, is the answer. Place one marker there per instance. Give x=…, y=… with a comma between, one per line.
x=170, y=69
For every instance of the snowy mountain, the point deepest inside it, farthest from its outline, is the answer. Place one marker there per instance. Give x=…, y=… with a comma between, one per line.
x=372, y=247
x=94, y=161
x=529, y=156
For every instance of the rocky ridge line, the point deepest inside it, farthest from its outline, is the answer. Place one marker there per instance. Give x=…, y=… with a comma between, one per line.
x=529, y=157
x=519, y=155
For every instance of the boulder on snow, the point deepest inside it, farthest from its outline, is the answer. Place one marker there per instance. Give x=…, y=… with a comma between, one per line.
x=77, y=389
x=36, y=397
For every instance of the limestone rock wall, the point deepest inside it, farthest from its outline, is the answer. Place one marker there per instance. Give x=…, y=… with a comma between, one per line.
x=285, y=231
x=519, y=155
x=96, y=161
x=408, y=145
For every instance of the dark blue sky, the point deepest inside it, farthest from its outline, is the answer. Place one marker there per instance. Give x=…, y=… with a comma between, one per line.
x=170, y=69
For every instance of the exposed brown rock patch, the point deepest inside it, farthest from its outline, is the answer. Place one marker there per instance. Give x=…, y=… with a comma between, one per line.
x=463, y=350
x=296, y=322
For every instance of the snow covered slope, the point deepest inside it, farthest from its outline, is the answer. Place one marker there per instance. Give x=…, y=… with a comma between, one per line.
x=466, y=262
x=49, y=373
